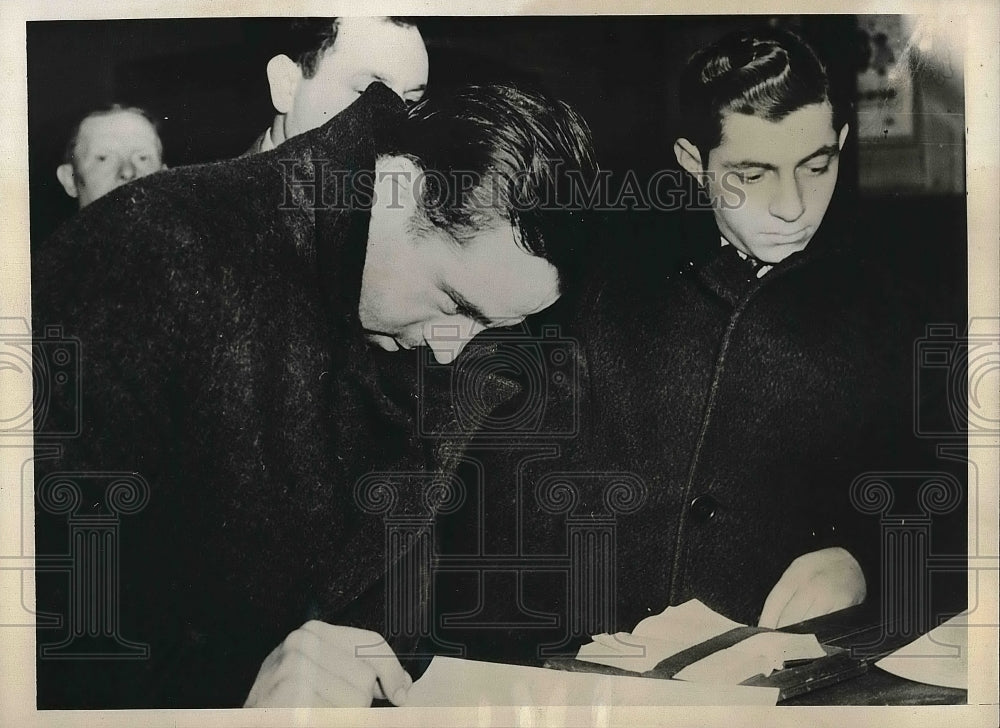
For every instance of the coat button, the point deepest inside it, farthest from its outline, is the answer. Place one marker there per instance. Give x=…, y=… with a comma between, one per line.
x=703, y=508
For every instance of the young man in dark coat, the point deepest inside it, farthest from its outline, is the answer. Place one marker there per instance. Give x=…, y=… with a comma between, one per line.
x=234, y=322
x=755, y=391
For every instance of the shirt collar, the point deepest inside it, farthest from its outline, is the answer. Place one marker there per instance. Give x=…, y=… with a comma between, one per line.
x=266, y=143
x=762, y=269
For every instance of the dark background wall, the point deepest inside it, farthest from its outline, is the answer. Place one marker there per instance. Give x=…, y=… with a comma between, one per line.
x=206, y=79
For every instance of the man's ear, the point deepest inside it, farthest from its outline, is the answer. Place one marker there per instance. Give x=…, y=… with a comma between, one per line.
x=689, y=158
x=843, y=135
x=283, y=76
x=66, y=178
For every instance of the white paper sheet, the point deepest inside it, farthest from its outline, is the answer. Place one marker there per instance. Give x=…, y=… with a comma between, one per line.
x=940, y=657
x=451, y=682
x=678, y=628
x=657, y=637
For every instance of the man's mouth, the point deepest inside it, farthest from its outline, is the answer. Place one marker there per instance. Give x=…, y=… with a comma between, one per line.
x=792, y=238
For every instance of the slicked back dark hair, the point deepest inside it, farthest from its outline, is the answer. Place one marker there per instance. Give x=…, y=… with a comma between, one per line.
x=306, y=40
x=497, y=154
x=768, y=74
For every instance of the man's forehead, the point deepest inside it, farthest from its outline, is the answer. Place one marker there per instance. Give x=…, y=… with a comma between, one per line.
x=114, y=126
x=370, y=45
x=361, y=33
x=803, y=132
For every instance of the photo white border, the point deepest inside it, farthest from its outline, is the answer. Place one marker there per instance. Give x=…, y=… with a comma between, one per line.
x=17, y=659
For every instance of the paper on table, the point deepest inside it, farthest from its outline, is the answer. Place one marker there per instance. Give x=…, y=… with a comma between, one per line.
x=940, y=657
x=451, y=682
x=678, y=628
x=657, y=637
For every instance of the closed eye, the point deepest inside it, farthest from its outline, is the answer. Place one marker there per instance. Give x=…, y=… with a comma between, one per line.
x=818, y=165
x=750, y=177
x=506, y=323
x=464, y=307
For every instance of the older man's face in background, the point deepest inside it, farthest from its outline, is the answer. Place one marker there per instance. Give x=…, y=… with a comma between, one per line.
x=111, y=149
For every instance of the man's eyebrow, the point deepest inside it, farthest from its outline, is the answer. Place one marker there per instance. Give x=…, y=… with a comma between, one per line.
x=748, y=164
x=830, y=150
x=468, y=308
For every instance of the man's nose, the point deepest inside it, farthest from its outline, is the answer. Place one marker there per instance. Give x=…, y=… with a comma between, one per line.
x=446, y=353
x=787, y=201
x=126, y=170
x=447, y=340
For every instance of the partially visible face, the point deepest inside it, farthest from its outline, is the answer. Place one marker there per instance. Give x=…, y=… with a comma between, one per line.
x=112, y=149
x=424, y=289
x=786, y=172
x=365, y=50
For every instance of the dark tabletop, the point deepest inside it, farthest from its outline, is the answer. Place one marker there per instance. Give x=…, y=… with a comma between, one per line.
x=867, y=638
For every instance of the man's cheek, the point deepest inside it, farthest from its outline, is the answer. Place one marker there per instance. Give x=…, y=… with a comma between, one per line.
x=818, y=200
x=729, y=194
x=742, y=221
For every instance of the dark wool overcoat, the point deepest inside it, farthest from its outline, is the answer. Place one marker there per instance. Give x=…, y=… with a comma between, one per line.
x=224, y=378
